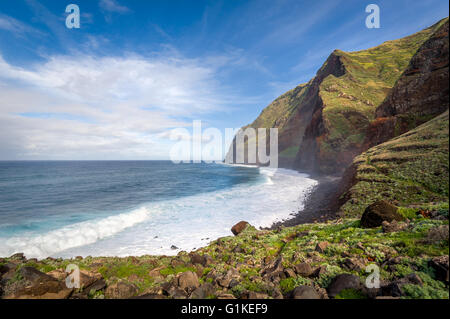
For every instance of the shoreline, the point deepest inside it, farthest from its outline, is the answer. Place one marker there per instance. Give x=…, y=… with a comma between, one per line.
x=317, y=205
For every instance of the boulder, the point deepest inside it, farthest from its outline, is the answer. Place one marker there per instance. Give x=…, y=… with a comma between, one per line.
x=304, y=292
x=239, y=227
x=380, y=211
x=203, y=292
x=440, y=266
x=342, y=282
x=232, y=276
x=121, y=290
x=188, y=281
x=37, y=285
x=320, y=247
x=304, y=269
x=354, y=263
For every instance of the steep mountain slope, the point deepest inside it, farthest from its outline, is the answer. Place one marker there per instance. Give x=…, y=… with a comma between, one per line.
x=323, y=123
x=411, y=169
x=421, y=93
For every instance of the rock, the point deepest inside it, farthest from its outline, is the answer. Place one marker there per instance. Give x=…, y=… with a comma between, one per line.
x=394, y=288
x=393, y=226
x=225, y=296
x=437, y=234
x=96, y=286
x=58, y=274
x=177, y=293
x=33, y=275
x=320, y=247
x=440, y=266
x=341, y=282
x=239, y=227
x=18, y=257
x=254, y=295
x=304, y=269
x=226, y=280
x=121, y=290
x=380, y=211
x=173, y=247
x=354, y=264
x=37, y=285
x=188, y=281
x=304, y=292
x=319, y=271
x=198, y=259
x=150, y=296
x=290, y=273
x=204, y=291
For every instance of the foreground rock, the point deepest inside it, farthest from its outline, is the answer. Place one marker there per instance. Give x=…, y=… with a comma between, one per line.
x=304, y=292
x=343, y=282
x=121, y=290
x=239, y=228
x=37, y=285
x=378, y=212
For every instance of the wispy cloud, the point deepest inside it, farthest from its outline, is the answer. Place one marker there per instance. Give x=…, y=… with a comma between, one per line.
x=113, y=6
x=17, y=27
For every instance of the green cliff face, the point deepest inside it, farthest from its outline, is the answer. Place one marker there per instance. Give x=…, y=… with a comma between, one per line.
x=410, y=170
x=323, y=123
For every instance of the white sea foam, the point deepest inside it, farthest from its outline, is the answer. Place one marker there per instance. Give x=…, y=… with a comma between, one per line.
x=188, y=222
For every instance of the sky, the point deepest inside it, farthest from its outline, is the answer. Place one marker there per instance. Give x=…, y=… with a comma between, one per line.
x=135, y=70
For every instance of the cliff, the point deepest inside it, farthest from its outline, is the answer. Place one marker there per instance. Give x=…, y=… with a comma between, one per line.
x=324, y=123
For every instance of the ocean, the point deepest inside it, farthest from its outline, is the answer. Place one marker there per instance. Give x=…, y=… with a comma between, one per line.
x=132, y=208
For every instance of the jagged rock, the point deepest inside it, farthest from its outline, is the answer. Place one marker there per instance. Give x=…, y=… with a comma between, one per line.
x=173, y=247
x=354, y=264
x=203, y=291
x=188, y=281
x=440, y=266
x=394, y=288
x=380, y=211
x=290, y=273
x=239, y=227
x=18, y=257
x=304, y=269
x=304, y=292
x=226, y=280
x=121, y=290
x=58, y=274
x=393, y=226
x=37, y=285
x=320, y=247
x=342, y=282
x=319, y=271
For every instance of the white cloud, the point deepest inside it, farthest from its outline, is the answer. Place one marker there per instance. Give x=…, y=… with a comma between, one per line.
x=113, y=6
x=102, y=107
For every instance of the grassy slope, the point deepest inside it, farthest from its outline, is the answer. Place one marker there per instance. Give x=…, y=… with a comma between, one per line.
x=295, y=245
x=411, y=169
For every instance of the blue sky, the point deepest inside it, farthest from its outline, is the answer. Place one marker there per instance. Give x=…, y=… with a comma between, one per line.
x=136, y=69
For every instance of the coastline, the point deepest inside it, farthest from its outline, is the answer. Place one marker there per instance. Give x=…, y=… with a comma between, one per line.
x=318, y=205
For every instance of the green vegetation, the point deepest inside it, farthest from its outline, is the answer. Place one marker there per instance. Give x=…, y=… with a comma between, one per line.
x=410, y=170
